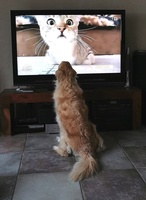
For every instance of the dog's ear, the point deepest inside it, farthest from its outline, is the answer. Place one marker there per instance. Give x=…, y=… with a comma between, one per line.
x=59, y=75
x=73, y=73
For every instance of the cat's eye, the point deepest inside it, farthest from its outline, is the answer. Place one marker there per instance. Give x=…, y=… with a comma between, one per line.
x=51, y=22
x=69, y=22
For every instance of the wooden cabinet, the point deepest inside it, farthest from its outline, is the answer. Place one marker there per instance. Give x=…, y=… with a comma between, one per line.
x=11, y=96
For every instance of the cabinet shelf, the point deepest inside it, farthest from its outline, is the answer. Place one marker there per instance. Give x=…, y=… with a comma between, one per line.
x=11, y=96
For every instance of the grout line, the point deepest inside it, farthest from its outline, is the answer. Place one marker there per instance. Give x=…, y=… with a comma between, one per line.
x=122, y=148
x=80, y=185
x=18, y=172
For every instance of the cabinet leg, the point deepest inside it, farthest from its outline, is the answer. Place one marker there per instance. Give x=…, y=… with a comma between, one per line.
x=6, y=125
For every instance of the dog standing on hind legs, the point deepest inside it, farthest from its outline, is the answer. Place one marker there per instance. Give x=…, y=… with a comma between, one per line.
x=77, y=133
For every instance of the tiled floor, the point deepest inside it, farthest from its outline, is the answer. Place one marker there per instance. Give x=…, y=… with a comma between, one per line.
x=31, y=170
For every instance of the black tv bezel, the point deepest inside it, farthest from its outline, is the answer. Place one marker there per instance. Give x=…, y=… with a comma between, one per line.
x=87, y=81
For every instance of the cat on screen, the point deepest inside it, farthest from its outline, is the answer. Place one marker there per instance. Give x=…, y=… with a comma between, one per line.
x=60, y=33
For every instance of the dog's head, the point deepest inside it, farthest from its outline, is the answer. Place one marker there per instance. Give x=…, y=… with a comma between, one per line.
x=65, y=72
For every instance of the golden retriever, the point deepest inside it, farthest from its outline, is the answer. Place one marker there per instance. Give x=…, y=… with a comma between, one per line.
x=77, y=133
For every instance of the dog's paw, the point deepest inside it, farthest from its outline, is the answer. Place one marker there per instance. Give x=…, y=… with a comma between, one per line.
x=69, y=150
x=60, y=151
x=58, y=139
x=55, y=148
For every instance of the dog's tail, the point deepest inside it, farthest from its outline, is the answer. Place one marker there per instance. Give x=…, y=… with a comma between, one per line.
x=84, y=168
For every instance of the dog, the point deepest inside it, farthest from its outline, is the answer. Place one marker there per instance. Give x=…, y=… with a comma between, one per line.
x=77, y=133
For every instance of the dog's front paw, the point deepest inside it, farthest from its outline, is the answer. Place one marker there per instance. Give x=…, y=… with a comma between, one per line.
x=58, y=139
x=60, y=151
x=55, y=148
x=69, y=150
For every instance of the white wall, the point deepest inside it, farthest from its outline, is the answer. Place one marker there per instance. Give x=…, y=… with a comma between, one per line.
x=135, y=24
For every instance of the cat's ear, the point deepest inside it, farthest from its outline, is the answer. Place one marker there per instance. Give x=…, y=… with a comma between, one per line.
x=79, y=17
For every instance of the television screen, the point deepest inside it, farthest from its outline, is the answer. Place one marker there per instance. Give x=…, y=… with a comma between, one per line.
x=91, y=40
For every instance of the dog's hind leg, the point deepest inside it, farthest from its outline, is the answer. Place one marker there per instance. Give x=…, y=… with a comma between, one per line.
x=101, y=145
x=62, y=149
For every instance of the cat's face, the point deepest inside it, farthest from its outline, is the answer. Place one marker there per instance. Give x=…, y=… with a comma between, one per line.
x=58, y=27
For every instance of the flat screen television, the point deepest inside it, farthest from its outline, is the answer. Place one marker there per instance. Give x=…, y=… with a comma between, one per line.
x=93, y=41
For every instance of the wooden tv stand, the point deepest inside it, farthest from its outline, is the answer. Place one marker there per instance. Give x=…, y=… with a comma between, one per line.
x=11, y=96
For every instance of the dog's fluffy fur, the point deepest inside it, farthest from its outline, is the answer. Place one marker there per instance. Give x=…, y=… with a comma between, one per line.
x=77, y=133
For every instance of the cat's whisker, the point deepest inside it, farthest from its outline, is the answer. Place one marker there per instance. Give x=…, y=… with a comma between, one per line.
x=94, y=50
x=88, y=38
x=37, y=33
x=33, y=37
x=40, y=47
x=83, y=34
x=38, y=44
x=81, y=44
x=86, y=46
x=87, y=29
x=28, y=29
x=44, y=48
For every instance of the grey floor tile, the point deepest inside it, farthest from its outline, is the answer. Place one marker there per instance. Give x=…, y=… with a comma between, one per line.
x=9, y=163
x=131, y=138
x=12, y=144
x=142, y=172
x=113, y=157
x=137, y=155
x=117, y=180
x=53, y=186
x=41, y=141
x=45, y=161
x=114, y=185
x=36, y=134
x=109, y=140
x=7, y=186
